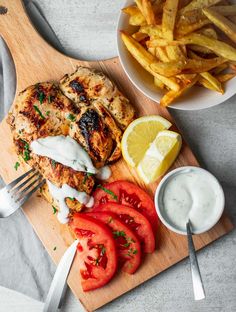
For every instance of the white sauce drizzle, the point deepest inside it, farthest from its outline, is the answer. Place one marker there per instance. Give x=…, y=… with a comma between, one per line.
x=60, y=194
x=64, y=150
x=68, y=152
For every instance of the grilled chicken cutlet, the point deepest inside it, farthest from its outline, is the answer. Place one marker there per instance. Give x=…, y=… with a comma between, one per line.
x=86, y=86
x=46, y=110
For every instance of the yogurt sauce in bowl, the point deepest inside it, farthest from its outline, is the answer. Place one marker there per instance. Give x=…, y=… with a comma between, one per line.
x=189, y=193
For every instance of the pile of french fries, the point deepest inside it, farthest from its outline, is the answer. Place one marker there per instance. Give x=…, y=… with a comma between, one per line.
x=183, y=43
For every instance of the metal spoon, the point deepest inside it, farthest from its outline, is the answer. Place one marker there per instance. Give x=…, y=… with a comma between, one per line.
x=198, y=288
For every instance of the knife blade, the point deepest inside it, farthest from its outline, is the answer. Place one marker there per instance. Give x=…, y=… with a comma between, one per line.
x=58, y=285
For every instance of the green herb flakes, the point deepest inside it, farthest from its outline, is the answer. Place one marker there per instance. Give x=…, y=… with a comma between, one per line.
x=54, y=210
x=113, y=195
x=53, y=162
x=103, y=250
x=55, y=248
x=41, y=97
x=16, y=166
x=47, y=113
x=26, y=152
x=71, y=117
x=38, y=111
x=117, y=234
x=49, y=99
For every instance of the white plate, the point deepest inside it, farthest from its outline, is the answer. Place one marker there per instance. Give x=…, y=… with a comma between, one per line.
x=196, y=98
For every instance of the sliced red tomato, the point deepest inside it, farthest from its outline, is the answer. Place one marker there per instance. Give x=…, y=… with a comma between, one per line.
x=97, y=256
x=127, y=243
x=129, y=194
x=135, y=221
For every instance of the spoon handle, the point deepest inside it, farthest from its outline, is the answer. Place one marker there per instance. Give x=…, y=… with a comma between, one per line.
x=198, y=289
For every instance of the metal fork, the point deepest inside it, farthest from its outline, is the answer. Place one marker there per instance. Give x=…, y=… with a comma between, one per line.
x=15, y=194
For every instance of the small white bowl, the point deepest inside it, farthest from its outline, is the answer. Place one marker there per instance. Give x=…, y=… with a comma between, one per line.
x=197, y=98
x=161, y=209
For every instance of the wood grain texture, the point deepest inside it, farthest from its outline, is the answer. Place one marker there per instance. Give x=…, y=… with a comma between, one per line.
x=36, y=61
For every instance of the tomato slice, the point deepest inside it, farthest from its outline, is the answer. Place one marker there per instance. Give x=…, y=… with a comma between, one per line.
x=129, y=194
x=135, y=221
x=97, y=256
x=127, y=243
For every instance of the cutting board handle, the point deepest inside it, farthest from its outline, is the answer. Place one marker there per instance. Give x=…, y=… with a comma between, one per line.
x=28, y=48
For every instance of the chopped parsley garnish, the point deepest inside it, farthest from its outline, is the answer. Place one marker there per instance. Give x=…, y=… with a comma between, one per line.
x=118, y=234
x=26, y=153
x=55, y=248
x=88, y=174
x=47, y=113
x=16, y=166
x=41, y=97
x=49, y=99
x=126, y=245
x=103, y=250
x=71, y=117
x=132, y=251
x=71, y=198
x=54, y=210
x=108, y=191
x=38, y=111
x=53, y=163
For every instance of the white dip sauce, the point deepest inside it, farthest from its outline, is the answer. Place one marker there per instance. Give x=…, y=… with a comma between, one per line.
x=68, y=152
x=60, y=195
x=191, y=195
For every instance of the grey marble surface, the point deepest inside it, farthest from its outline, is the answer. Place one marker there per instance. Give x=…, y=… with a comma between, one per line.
x=86, y=29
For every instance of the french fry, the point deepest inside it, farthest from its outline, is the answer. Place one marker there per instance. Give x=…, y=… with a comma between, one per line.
x=197, y=48
x=190, y=66
x=209, y=32
x=148, y=12
x=152, y=30
x=158, y=83
x=168, y=18
x=137, y=20
x=222, y=22
x=225, y=10
x=152, y=51
x=219, y=69
x=218, y=47
x=139, y=5
x=190, y=21
x=161, y=54
x=197, y=4
x=158, y=7
x=205, y=83
x=183, y=3
x=217, y=86
x=225, y=77
x=175, y=53
x=145, y=59
x=136, y=16
x=139, y=36
x=131, y=10
x=171, y=95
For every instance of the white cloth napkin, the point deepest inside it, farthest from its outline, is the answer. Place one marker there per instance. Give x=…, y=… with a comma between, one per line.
x=24, y=263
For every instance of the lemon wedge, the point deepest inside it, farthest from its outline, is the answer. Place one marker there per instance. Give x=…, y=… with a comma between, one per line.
x=160, y=155
x=138, y=136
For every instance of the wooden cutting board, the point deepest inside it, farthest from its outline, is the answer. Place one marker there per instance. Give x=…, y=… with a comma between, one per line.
x=36, y=61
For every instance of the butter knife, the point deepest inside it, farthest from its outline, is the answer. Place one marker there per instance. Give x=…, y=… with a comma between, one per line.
x=59, y=285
